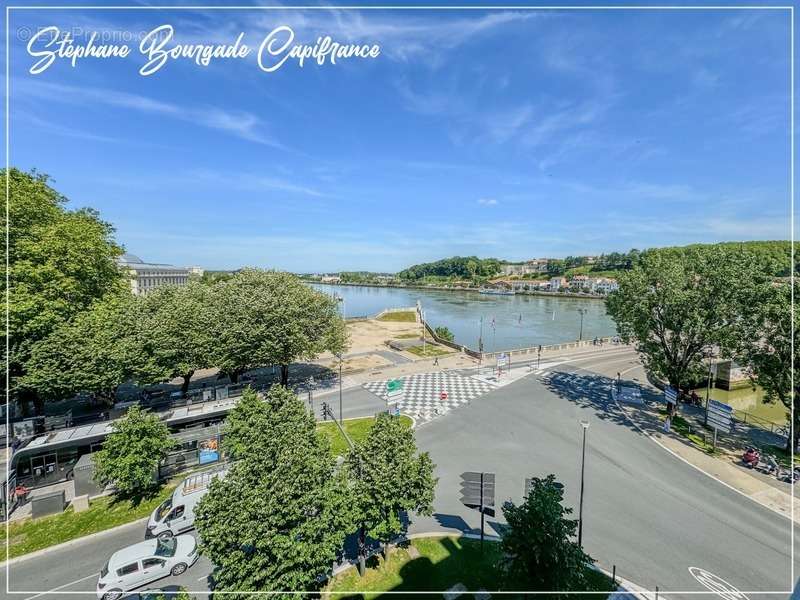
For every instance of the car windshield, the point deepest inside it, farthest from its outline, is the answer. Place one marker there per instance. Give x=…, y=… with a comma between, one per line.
x=164, y=509
x=166, y=547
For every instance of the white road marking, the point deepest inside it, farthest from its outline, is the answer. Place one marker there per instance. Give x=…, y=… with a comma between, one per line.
x=61, y=587
x=716, y=584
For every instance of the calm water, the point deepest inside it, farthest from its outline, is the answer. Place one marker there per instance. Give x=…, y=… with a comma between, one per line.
x=520, y=321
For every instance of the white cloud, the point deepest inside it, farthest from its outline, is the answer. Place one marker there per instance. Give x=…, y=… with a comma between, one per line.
x=241, y=124
x=487, y=201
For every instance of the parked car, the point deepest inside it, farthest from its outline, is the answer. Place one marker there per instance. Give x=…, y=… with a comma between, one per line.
x=142, y=563
x=176, y=514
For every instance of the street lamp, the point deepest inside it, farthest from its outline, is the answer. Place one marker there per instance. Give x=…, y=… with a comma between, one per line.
x=340, y=389
x=585, y=425
x=708, y=386
x=583, y=312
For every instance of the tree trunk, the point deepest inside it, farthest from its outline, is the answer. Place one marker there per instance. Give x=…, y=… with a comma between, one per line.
x=284, y=375
x=186, y=379
x=385, y=551
x=38, y=405
x=234, y=376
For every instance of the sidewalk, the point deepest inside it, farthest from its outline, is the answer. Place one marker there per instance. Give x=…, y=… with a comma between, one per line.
x=765, y=490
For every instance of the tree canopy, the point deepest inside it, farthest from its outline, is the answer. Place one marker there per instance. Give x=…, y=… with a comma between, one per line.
x=60, y=262
x=458, y=267
x=390, y=477
x=131, y=453
x=538, y=542
x=279, y=518
x=678, y=304
x=266, y=318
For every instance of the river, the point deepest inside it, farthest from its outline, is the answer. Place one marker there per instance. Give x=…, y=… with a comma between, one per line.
x=520, y=321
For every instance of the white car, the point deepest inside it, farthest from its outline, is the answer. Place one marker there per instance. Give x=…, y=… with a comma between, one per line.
x=137, y=565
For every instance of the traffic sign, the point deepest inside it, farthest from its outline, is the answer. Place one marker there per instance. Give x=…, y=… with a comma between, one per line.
x=671, y=395
x=720, y=415
x=394, y=387
x=502, y=360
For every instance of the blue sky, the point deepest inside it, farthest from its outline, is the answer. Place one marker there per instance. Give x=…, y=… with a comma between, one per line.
x=513, y=134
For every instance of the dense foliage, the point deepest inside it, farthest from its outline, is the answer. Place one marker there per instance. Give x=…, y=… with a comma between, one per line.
x=444, y=333
x=131, y=453
x=538, y=542
x=263, y=318
x=279, y=518
x=678, y=304
x=390, y=477
x=457, y=267
x=60, y=262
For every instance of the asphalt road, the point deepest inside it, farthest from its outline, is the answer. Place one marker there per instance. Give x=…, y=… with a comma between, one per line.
x=645, y=511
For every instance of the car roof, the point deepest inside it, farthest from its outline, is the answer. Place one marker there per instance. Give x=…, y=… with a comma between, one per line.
x=129, y=554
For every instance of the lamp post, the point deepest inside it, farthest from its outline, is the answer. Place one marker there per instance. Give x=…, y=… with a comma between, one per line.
x=340, y=389
x=585, y=425
x=583, y=312
x=708, y=387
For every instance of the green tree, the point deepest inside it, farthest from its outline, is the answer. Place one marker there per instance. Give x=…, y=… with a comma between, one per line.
x=763, y=343
x=176, y=328
x=390, y=477
x=675, y=305
x=131, y=453
x=60, y=262
x=444, y=333
x=538, y=542
x=264, y=318
x=279, y=518
x=95, y=352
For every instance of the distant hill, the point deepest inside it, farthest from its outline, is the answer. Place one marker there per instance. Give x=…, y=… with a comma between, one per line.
x=775, y=257
x=457, y=267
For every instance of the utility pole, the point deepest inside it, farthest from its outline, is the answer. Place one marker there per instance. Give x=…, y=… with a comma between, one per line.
x=583, y=312
x=340, y=389
x=585, y=425
x=708, y=388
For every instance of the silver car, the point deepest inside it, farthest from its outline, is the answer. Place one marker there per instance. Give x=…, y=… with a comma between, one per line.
x=147, y=561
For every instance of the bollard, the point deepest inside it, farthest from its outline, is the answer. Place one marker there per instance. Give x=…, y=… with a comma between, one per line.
x=614, y=575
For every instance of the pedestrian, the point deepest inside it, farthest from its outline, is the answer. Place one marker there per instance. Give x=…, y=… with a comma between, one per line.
x=436, y=361
x=667, y=423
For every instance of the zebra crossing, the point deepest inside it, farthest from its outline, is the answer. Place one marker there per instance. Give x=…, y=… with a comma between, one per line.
x=430, y=395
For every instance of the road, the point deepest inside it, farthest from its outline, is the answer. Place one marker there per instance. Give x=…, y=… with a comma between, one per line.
x=645, y=511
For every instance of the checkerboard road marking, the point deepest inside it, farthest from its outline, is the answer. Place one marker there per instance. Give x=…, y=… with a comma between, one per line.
x=422, y=393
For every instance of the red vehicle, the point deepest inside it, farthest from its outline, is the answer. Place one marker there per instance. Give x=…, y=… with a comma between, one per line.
x=751, y=457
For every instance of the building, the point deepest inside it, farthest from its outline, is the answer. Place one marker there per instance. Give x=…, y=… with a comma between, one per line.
x=198, y=271
x=605, y=285
x=557, y=283
x=145, y=277
x=581, y=283
x=537, y=265
x=330, y=279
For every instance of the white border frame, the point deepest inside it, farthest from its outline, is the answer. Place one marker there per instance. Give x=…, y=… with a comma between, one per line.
x=789, y=8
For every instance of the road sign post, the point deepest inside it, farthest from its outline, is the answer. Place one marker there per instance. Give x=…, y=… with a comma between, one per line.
x=394, y=396
x=719, y=416
x=477, y=491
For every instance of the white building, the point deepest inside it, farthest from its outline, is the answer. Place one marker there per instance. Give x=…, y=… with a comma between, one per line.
x=605, y=285
x=556, y=283
x=145, y=277
x=196, y=271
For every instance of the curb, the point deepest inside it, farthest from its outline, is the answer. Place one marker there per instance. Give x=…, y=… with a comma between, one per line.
x=625, y=588
x=73, y=542
x=694, y=466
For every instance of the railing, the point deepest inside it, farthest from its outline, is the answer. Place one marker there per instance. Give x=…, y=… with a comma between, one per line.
x=750, y=419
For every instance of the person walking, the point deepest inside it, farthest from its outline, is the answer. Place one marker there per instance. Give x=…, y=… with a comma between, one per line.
x=436, y=361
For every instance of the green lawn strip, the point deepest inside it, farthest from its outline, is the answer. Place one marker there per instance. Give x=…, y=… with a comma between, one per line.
x=703, y=439
x=427, y=351
x=442, y=563
x=357, y=429
x=400, y=317
x=104, y=513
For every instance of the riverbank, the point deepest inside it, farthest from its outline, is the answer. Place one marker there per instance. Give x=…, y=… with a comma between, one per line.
x=443, y=288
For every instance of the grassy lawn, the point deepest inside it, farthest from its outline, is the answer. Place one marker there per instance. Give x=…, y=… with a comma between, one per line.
x=428, y=351
x=104, y=513
x=408, y=336
x=400, y=317
x=357, y=429
x=441, y=563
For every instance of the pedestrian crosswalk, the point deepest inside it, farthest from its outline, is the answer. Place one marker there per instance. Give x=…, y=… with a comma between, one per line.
x=429, y=395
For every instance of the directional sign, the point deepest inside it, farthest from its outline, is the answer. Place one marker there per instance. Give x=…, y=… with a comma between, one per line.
x=394, y=387
x=502, y=360
x=720, y=415
x=671, y=395
x=477, y=490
